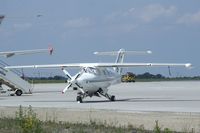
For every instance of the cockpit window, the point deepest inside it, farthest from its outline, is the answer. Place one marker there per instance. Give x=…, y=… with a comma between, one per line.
x=91, y=70
x=105, y=72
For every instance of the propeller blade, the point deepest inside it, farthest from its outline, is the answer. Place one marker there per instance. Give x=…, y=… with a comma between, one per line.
x=74, y=78
x=78, y=85
x=67, y=87
x=66, y=73
x=77, y=76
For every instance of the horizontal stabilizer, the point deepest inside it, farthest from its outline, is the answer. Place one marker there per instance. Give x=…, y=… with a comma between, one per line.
x=114, y=53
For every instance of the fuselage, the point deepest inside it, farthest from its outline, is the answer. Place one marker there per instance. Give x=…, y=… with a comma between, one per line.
x=94, y=78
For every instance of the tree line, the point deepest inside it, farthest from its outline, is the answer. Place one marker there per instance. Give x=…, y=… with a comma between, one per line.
x=145, y=75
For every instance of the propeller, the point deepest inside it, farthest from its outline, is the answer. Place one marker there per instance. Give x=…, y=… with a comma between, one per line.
x=72, y=80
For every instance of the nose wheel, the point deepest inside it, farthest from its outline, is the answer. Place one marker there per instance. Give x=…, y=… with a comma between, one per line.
x=112, y=98
x=79, y=99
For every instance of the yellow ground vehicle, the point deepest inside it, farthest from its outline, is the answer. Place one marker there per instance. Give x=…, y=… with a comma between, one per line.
x=128, y=77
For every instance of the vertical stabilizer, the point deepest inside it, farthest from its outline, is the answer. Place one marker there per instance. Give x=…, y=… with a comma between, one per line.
x=119, y=59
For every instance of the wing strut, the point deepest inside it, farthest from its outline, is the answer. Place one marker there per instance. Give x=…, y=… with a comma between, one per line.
x=169, y=69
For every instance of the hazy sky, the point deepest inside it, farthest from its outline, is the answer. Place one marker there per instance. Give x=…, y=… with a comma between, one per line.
x=77, y=28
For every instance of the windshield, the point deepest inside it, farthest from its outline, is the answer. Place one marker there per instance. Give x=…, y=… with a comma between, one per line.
x=91, y=70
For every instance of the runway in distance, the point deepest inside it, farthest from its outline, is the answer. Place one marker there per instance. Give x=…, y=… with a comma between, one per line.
x=93, y=79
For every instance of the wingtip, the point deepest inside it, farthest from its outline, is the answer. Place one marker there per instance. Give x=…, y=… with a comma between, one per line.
x=188, y=65
x=149, y=52
x=95, y=52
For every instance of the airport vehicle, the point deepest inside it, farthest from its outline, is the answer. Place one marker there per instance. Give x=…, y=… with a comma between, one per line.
x=94, y=78
x=14, y=79
x=128, y=77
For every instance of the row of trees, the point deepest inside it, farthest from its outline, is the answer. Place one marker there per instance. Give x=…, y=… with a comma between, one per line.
x=145, y=75
x=149, y=76
x=57, y=77
x=159, y=76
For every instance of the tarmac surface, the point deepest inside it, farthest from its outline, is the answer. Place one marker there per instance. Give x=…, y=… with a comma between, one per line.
x=130, y=97
x=176, y=105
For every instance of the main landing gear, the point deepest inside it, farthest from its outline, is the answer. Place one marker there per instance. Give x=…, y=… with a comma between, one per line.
x=100, y=92
x=79, y=98
x=106, y=95
x=110, y=97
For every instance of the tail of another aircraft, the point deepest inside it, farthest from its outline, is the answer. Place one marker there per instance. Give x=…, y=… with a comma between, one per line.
x=120, y=56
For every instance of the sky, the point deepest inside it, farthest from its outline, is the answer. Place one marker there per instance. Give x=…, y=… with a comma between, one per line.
x=77, y=28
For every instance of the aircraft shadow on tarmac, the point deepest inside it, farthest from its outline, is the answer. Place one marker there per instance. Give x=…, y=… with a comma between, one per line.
x=145, y=100
x=131, y=100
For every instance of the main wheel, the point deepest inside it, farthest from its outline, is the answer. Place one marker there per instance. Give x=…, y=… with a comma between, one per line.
x=79, y=99
x=18, y=92
x=112, y=98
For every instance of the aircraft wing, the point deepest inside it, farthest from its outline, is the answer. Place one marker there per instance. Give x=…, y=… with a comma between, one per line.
x=23, y=52
x=143, y=64
x=79, y=65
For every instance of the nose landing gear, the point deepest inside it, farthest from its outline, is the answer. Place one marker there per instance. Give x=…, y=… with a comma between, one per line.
x=112, y=98
x=79, y=99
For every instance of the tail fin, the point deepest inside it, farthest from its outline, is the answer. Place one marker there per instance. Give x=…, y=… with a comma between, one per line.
x=120, y=56
x=119, y=59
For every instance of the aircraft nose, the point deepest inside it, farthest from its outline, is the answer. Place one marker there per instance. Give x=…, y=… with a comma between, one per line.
x=80, y=80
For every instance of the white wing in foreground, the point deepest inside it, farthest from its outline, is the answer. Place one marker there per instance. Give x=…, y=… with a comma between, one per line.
x=76, y=65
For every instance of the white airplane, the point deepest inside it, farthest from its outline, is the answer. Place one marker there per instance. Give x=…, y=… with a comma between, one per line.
x=8, y=54
x=95, y=78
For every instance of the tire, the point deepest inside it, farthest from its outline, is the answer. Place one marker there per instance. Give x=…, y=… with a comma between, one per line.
x=18, y=92
x=112, y=98
x=79, y=99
